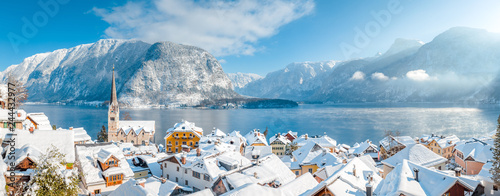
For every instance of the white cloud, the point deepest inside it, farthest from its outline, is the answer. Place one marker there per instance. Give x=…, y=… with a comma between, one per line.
x=358, y=75
x=379, y=76
x=222, y=61
x=418, y=75
x=221, y=27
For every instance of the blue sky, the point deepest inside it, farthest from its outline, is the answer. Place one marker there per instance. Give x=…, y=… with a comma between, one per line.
x=247, y=36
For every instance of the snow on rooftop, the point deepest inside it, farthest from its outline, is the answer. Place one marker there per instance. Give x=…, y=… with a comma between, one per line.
x=152, y=186
x=270, y=169
x=137, y=126
x=185, y=126
x=300, y=185
x=41, y=120
x=402, y=179
x=87, y=155
x=323, y=141
x=80, y=134
x=391, y=141
x=480, y=151
x=279, y=137
x=44, y=139
x=360, y=148
x=255, y=136
x=307, y=152
x=25, y=151
x=416, y=153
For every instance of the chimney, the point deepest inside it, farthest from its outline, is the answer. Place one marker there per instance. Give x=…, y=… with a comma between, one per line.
x=163, y=180
x=457, y=171
x=183, y=159
x=306, y=136
x=354, y=170
x=141, y=182
x=369, y=189
x=198, y=152
x=255, y=175
x=416, y=174
x=18, y=114
x=70, y=128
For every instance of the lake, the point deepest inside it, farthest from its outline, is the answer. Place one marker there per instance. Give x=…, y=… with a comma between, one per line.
x=346, y=123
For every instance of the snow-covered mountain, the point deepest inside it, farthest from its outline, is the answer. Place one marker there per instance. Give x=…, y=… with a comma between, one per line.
x=459, y=65
x=162, y=73
x=297, y=81
x=240, y=80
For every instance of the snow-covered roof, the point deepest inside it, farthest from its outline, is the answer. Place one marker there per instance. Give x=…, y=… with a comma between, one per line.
x=345, y=182
x=19, y=115
x=87, y=155
x=442, y=141
x=252, y=189
x=22, y=153
x=295, y=187
x=416, y=153
x=279, y=137
x=430, y=181
x=103, y=155
x=152, y=187
x=327, y=171
x=480, y=151
x=80, y=135
x=185, y=126
x=137, y=126
x=260, y=150
x=360, y=148
x=308, y=152
x=216, y=133
x=390, y=141
x=256, y=137
x=129, y=149
x=204, y=192
x=41, y=120
x=44, y=139
x=323, y=141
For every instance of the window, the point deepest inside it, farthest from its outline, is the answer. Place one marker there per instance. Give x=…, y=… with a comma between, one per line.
x=495, y=188
x=169, y=142
x=296, y=173
x=187, y=183
x=176, y=149
x=183, y=143
x=206, y=177
x=132, y=141
x=196, y=174
x=176, y=179
x=143, y=142
x=185, y=171
x=97, y=191
x=190, y=135
x=177, y=168
x=176, y=134
x=176, y=143
x=190, y=143
x=310, y=170
x=184, y=134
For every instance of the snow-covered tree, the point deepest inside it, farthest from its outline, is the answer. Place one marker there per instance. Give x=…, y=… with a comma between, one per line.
x=495, y=170
x=102, y=136
x=50, y=176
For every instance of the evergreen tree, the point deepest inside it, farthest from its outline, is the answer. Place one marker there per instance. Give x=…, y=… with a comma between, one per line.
x=495, y=170
x=266, y=132
x=50, y=176
x=54, y=127
x=102, y=136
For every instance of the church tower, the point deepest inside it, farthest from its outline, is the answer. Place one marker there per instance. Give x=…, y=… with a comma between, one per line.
x=113, y=112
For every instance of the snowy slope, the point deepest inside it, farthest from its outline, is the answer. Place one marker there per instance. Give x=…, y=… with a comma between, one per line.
x=240, y=80
x=163, y=72
x=296, y=82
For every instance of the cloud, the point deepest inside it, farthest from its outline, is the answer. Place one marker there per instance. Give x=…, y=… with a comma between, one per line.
x=222, y=61
x=418, y=75
x=379, y=76
x=221, y=27
x=358, y=75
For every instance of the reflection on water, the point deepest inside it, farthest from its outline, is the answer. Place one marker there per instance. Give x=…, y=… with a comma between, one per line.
x=347, y=123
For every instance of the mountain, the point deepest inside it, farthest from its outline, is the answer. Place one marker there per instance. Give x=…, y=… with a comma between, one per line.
x=146, y=74
x=240, y=80
x=296, y=82
x=459, y=65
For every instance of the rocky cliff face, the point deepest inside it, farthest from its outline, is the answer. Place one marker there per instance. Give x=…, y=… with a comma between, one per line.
x=158, y=74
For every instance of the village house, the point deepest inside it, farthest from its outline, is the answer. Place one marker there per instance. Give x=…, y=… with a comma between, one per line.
x=290, y=135
x=265, y=170
x=311, y=157
x=80, y=135
x=280, y=144
x=25, y=160
x=135, y=132
x=199, y=168
x=439, y=144
x=409, y=178
x=103, y=167
x=234, y=138
x=353, y=178
x=365, y=148
x=256, y=138
x=416, y=153
x=184, y=136
x=471, y=155
x=391, y=145
x=19, y=117
x=324, y=141
x=37, y=121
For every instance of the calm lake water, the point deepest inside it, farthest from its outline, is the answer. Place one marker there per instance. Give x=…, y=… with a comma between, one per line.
x=346, y=123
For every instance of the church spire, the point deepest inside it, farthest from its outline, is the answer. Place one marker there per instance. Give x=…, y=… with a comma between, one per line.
x=113, y=99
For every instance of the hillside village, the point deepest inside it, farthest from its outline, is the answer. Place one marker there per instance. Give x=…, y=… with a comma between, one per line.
x=194, y=161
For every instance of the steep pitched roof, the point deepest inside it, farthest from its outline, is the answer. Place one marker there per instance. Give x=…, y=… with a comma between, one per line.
x=137, y=126
x=255, y=136
x=323, y=141
x=479, y=150
x=416, y=153
x=185, y=126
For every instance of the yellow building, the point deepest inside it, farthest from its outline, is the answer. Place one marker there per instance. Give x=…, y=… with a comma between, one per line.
x=183, y=136
x=279, y=144
x=256, y=138
x=440, y=145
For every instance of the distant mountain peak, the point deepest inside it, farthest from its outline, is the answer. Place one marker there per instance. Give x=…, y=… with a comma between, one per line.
x=401, y=44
